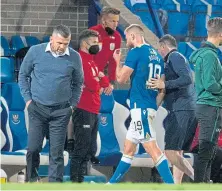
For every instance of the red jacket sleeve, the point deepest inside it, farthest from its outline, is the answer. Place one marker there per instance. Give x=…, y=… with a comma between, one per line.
x=89, y=80
x=112, y=62
x=104, y=82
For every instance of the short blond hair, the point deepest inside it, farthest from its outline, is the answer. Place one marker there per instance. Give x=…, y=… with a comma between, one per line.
x=214, y=26
x=110, y=10
x=135, y=27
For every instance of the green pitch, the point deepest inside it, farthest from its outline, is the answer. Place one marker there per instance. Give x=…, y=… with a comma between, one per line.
x=126, y=186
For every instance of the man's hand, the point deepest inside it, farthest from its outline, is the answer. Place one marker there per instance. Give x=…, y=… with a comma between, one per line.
x=96, y=78
x=117, y=55
x=101, y=75
x=27, y=103
x=109, y=89
x=101, y=91
x=156, y=83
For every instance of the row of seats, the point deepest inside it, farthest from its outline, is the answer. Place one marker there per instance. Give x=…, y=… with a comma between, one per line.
x=16, y=49
x=182, y=19
x=17, y=42
x=187, y=2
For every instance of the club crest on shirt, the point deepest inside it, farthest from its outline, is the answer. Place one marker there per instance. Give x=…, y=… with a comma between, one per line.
x=103, y=120
x=112, y=46
x=15, y=119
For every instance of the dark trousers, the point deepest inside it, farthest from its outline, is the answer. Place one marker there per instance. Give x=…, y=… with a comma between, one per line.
x=216, y=167
x=85, y=133
x=209, y=119
x=53, y=119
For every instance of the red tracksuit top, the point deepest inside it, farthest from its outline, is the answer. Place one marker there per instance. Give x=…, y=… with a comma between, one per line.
x=90, y=98
x=105, y=56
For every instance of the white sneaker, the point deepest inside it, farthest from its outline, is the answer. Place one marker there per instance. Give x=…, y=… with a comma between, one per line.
x=108, y=183
x=92, y=182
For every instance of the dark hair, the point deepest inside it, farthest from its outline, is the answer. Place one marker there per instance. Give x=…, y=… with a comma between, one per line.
x=63, y=30
x=214, y=26
x=85, y=34
x=168, y=40
x=110, y=10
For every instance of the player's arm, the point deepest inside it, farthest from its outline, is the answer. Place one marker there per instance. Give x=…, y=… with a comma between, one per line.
x=161, y=93
x=181, y=68
x=123, y=73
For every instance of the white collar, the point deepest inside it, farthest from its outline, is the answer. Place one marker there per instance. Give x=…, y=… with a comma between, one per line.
x=48, y=49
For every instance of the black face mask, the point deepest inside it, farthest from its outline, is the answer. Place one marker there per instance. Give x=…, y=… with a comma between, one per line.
x=94, y=49
x=109, y=31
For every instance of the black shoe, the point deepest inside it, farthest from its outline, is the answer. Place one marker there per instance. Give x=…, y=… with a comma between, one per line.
x=95, y=160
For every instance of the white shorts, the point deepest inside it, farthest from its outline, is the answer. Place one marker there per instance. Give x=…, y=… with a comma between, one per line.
x=141, y=129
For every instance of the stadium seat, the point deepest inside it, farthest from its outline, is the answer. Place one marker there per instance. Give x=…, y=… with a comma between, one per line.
x=182, y=48
x=217, y=10
x=140, y=8
x=186, y=48
x=19, y=47
x=190, y=48
x=32, y=40
x=202, y=12
x=7, y=70
x=17, y=43
x=45, y=39
x=108, y=149
x=178, y=18
x=5, y=48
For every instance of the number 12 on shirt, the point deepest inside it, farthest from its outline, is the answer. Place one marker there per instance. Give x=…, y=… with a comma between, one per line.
x=154, y=69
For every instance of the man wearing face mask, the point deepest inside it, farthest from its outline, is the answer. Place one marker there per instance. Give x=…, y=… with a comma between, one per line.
x=50, y=79
x=110, y=40
x=85, y=117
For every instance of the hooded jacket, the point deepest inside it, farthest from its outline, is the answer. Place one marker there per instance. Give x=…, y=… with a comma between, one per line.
x=208, y=75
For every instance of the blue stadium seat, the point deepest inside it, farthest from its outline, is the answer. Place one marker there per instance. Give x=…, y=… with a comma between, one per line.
x=182, y=2
x=218, y=2
x=182, y=48
x=201, y=14
x=46, y=39
x=178, y=19
x=197, y=44
x=6, y=136
x=200, y=19
x=217, y=11
x=146, y=19
x=32, y=40
x=186, y=48
x=17, y=43
x=212, y=2
x=142, y=11
x=5, y=48
x=17, y=124
x=7, y=70
x=19, y=47
x=109, y=154
x=190, y=49
x=190, y=2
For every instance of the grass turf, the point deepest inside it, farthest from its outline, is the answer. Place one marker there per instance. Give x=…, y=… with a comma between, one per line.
x=125, y=186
